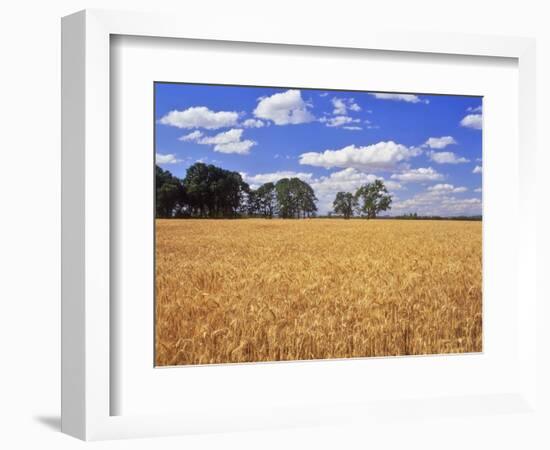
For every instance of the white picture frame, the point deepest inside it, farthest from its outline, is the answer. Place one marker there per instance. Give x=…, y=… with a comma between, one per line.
x=86, y=223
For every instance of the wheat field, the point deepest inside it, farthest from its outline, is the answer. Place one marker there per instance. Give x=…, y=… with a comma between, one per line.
x=246, y=290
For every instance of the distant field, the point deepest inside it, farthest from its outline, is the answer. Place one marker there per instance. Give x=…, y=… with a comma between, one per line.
x=245, y=290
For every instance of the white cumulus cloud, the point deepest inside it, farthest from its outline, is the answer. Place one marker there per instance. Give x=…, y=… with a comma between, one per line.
x=284, y=108
x=440, y=142
x=225, y=137
x=200, y=117
x=255, y=181
x=338, y=121
x=477, y=169
x=381, y=156
x=341, y=106
x=224, y=142
x=348, y=180
x=432, y=203
x=447, y=188
x=409, y=98
x=253, y=123
x=193, y=136
x=418, y=175
x=472, y=121
x=447, y=158
x=239, y=147
x=167, y=158
x=228, y=142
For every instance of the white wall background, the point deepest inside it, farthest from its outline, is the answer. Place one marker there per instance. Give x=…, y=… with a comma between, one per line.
x=30, y=200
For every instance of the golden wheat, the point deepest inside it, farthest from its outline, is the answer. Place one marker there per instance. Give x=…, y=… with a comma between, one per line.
x=231, y=291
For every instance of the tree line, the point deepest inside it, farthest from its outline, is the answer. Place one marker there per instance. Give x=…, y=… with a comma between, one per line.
x=209, y=191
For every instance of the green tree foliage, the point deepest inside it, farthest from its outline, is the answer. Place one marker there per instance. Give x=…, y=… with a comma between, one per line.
x=295, y=198
x=373, y=198
x=213, y=191
x=170, y=194
x=263, y=201
x=210, y=191
x=304, y=197
x=284, y=198
x=345, y=203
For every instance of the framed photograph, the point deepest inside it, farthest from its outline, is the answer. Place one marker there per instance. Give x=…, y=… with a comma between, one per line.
x=256, y=258
x=267, y=229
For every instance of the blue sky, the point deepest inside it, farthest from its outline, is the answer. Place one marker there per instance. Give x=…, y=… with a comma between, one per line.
x=426, y=148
